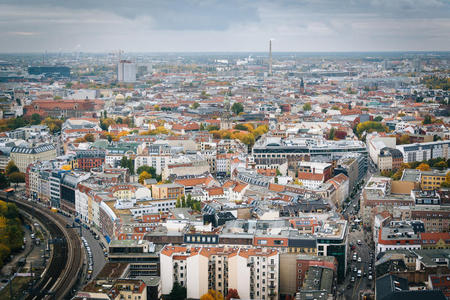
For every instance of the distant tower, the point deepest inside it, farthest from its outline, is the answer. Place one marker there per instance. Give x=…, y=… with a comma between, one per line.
x=270, y=57
x=126, y=71
x=417, y=65
x=302, y=87
x=225, y=121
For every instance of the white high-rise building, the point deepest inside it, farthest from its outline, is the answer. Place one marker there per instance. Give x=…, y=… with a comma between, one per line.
x=126, y=71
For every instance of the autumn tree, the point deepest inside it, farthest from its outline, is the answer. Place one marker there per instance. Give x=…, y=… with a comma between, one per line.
x=148, y=169
x=143, y=176
x=423, y=167
x=89, y=137
x=232, y=294
x=404, y=139
x=307, y=106
x=54, y=125
x=106, y=122
x=212, y=295
x=446, y=183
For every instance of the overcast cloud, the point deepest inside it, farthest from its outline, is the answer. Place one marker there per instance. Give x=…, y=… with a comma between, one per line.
x=225, y=25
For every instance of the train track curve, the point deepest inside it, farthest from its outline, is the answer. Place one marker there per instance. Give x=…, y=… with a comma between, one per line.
x=65, y=266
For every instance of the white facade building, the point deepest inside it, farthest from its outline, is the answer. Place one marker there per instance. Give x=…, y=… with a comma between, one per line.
x=126, y=71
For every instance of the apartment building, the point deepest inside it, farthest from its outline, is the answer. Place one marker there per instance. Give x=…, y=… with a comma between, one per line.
x=431, y=180
x=167, y=191
x=400, y=235
x=252, y=272
x=313, y=174
x=23, y=156
x=424, y=151
x=89, y=159
x=389, y=159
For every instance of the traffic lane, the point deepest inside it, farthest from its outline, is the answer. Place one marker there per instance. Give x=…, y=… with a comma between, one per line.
x=363, y=251
x=98, y=255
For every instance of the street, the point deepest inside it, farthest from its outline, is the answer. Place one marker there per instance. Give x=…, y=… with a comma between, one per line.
x=351, y=288
x=98, y=256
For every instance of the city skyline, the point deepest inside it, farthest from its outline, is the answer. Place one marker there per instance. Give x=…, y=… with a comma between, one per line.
x=236, y=26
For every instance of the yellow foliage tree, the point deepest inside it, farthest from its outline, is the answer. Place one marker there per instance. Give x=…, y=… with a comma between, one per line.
x=212, y=295
x=423, y=167
x=143, y=176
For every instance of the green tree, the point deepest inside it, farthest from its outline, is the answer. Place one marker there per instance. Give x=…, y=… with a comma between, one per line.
x=148, y=169
x=178, y=204
x=189, y=202
x=307, y=106
x=17, y=177
x=237, y=108
x=195, y=105
x=183, y=201
x=36, y=119
x=378, y=119
x=427, y=120
x=324, y=110
x=440, y=165
x=178, y=292
x=332, y=134
x=204, y=95
x=11, y=168
x=4, y=182
x=127, y=163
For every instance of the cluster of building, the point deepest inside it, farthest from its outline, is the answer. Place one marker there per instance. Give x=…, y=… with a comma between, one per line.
x=250, y=176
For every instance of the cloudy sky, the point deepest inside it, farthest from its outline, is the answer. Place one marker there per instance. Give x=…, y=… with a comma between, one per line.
x=223, y=25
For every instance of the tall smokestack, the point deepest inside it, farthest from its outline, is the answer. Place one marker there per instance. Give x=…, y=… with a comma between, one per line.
x=270, y=57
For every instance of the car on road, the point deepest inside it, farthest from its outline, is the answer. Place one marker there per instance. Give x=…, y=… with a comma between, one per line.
x=370, y=277
x=349, y=286
x=359, y=242
x=355, y=269
x=359, y=259
x=359, y=274
x=352, y=279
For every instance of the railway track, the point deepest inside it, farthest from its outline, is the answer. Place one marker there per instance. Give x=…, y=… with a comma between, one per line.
x=65, y=265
